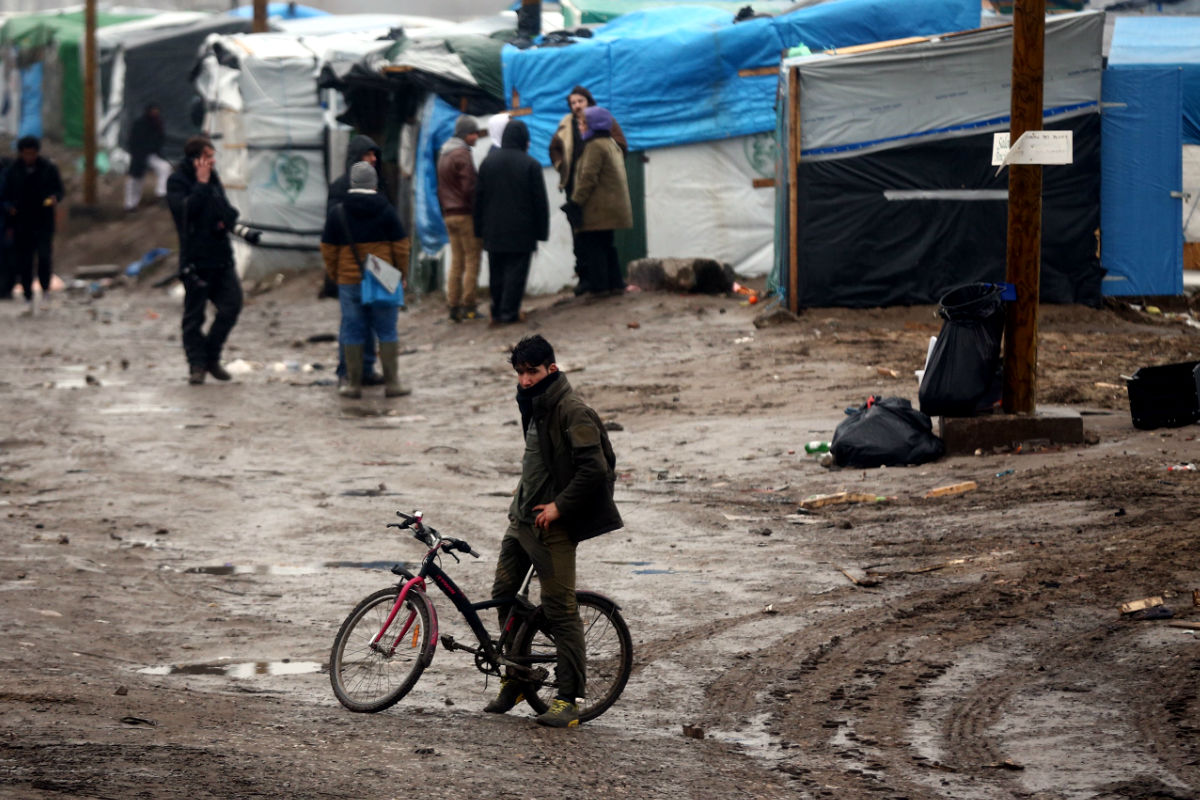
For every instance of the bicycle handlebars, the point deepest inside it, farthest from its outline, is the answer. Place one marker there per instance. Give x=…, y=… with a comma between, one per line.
x=430, y=536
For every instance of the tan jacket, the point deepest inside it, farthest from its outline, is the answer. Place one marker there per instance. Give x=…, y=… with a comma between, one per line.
x=601, y=188
x=341, y=267
x=562, y=146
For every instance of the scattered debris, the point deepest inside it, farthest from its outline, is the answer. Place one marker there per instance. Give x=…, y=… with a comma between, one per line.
x=1138, y=605
x=952, y=489
x=693, y=731
x=775, y=315
x=1005, y=472
x=139, y=721
x=634, y=324
x=840, y=498
x=321, y=338
x=886, y=372
x=613, y=425
x=1007, y=763
x=769, y=608
x=760, y=531
x=1156, y=612
x=121, y=691
x=1189, y=467
x=97, y=271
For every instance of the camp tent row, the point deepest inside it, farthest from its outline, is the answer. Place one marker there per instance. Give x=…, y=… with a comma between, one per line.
x=694, y=90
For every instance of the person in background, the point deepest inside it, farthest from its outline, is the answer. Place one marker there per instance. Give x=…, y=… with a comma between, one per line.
x=361, y=148
x=204, y=220
x=456, y=177
x=602, y=197
x=365, y=223
x=33, y=189
x=512, y=214
x=146, y=142
x=565, y=148
x=8, y=274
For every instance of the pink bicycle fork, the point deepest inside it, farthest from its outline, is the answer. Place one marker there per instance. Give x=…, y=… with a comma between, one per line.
x=417, y=583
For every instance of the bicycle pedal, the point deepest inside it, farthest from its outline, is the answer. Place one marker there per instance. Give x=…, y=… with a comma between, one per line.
x=448, y=642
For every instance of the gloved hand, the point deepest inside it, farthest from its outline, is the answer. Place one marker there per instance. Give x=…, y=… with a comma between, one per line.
x=191, y=278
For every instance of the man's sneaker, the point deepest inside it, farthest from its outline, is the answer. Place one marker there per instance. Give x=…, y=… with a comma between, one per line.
x=196, y=375
x=510, y=695
x=217, y=371
x=562, y=714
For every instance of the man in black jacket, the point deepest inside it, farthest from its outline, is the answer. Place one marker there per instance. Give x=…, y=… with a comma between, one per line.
x=32, y=191
x=512, y=214
x=361, y=148
x=564, y=497
x=204, y=220
x=146, y=141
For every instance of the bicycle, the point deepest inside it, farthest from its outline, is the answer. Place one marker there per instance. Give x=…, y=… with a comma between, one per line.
x=391, y=636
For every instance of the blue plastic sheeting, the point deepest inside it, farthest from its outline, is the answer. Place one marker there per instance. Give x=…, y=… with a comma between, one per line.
x=1141, y=244
x=670, y=75
x=437, y=125
x=1161, y=41
x=31, y=101
x=281, y=11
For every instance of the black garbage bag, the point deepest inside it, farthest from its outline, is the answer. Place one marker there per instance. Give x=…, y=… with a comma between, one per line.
x=964, y=374
x=885, y=432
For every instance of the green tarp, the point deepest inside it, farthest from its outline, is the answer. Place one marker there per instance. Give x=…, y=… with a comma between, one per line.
x=63, y=30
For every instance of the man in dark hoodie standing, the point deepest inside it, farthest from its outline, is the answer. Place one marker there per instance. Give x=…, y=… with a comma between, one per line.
x=360, y=149
x=512, y=214
x=456, y=194
x=32, y=191
x=204, y=220
x=565, y=496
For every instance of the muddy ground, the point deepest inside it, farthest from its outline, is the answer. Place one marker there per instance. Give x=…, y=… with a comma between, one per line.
x=177, y=559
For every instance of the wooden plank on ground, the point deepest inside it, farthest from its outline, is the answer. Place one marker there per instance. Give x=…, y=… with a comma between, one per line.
x=1138, y=605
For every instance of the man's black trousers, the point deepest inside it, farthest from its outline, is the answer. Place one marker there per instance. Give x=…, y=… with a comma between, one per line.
x=507, y=273
x=222, y=287
x=26, y=247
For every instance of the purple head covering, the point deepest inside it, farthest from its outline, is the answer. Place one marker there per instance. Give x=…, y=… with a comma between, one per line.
x=597, y=119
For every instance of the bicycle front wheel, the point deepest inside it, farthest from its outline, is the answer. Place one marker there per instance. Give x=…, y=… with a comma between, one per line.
x=371, y=668
x=608, y=653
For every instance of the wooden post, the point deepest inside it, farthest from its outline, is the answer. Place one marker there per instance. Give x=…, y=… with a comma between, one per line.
x=260, y=17
x=1024, y=210
x=89, y=103
x=792, y=165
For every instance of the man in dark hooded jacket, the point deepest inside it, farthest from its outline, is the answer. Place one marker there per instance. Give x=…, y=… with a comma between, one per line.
x=512, y=214
x=360, y=148
x=204, y=219
x=33, y=189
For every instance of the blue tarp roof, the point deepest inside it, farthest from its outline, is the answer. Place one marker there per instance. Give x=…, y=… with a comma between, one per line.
x=1163, y=41
x=281, y=11
x=671, y=75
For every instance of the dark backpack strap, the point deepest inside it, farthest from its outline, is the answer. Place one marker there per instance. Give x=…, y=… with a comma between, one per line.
x=340, y=211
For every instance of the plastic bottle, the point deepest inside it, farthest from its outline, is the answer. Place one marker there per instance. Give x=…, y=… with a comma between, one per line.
x=816, y=447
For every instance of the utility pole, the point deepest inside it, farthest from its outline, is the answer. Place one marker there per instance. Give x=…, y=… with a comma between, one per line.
x=89, y=104
x=1024, y=210
x=260, y=17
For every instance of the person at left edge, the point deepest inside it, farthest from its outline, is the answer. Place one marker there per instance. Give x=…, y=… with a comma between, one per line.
x=33, y=189
x=204, y=220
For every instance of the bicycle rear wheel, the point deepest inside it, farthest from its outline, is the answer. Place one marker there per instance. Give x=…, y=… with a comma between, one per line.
x=369, y=676
x=609, y=654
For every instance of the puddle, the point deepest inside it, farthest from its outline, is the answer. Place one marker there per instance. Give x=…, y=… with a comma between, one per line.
x=246, y=669
x=617, y=563
x=655, y=572
x=137, y=409
x=281, y=569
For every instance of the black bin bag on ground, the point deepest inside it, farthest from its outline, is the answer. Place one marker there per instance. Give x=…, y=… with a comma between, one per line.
x=885, y=432
x=964, y=374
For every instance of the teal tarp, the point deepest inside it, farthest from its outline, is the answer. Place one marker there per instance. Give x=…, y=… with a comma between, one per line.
x=671, y=75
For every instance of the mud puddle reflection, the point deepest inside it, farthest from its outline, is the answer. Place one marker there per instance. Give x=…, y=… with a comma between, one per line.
x=288, y=570
x=245, y=669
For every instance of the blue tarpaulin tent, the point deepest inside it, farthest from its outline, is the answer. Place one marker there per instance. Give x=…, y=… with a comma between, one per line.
x=685, y=74
x=1163, y=41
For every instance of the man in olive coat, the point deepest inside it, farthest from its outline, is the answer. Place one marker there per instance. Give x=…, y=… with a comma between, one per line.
x=564, y=497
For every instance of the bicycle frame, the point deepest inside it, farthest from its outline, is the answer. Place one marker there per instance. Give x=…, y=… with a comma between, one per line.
x=469, y=611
